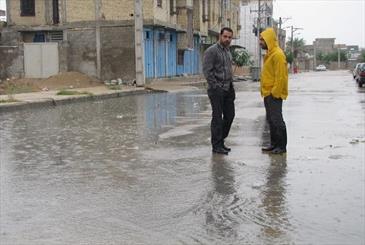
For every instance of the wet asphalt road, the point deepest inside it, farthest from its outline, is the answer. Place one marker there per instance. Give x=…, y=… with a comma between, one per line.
x=139, y=170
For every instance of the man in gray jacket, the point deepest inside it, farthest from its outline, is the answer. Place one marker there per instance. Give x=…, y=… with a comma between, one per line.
x=217, y=69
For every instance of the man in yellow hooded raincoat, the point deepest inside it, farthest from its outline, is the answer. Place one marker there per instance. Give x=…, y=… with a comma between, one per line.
x=274, y=89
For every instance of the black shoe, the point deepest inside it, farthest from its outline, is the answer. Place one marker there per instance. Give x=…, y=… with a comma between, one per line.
x=220, y=150
x=278, y=151
x=226, y=148
x=268, y=148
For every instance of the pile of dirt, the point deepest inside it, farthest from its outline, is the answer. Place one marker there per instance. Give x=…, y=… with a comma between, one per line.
x=66, y=80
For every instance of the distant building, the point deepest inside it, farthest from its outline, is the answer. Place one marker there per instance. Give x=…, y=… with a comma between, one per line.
x=96, y=37
x=249, y=23
x=353, y=52
x=2, y=15
x=324, y=45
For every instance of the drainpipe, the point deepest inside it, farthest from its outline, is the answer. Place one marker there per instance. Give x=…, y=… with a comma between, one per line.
x=97, y=33
x=8, y=15
x=138, y=43
x=258, y=36
x=47, y=15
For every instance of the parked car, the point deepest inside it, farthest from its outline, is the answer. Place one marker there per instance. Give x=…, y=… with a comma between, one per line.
x=360, y=75
x=354, y=71
x=321, y=68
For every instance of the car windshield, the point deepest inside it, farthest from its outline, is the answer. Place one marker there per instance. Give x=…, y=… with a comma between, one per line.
x=362, y=66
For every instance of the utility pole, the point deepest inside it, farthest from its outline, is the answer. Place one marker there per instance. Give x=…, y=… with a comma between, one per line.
x=278, y=34
x=258, y=36
x=314, y=55
x=8, y=15
x=97, y=33
x=281, y=45
x=138, y=43
x=292, y=44
x=339, y=58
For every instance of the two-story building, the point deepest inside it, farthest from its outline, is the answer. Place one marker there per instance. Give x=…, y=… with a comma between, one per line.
x=96, y=37
x=250, y=20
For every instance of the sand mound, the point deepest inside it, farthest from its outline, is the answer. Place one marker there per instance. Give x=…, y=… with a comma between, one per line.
x=69, y=79
x=60, y=81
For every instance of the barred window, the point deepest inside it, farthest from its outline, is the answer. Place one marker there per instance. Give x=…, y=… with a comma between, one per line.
x=27, y=8
x=159, y=3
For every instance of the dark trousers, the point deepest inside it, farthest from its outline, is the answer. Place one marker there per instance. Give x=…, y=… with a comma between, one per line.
x=223, y=112
x=276, y=122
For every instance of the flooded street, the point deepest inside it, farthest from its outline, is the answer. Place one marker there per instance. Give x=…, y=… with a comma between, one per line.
x=139, y=170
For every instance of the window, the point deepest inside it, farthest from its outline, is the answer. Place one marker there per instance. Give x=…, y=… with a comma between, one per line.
x=172, y=7
x=159, y=3
x=180, y=57
x=27, y=8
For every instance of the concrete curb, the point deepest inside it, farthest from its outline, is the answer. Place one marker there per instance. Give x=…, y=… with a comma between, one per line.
x=161, y=86
x=50, y=102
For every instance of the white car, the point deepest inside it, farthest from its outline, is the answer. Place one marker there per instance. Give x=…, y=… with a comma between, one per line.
x=321, y=68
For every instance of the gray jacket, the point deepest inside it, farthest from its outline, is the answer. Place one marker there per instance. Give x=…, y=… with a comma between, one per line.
x=217, y=67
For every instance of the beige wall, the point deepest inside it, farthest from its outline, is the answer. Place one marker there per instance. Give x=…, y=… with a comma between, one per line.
x=214, y=13
x=231, y=13
x=199, y=25
x=38, y=19
x=84, y=10
x=80, y=12
x=148, y=9
x=117, y=10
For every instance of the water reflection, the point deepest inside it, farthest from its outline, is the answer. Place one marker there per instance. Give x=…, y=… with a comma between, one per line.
x=274, y=200
x=220, y=220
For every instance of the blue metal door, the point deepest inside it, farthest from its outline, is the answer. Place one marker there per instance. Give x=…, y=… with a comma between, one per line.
x=172, y=54
x=196, y=55
x=148, y=53
x=188, y=61
x=160, y=43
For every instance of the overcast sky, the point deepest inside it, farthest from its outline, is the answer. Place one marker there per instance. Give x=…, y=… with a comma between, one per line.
x=340, y=19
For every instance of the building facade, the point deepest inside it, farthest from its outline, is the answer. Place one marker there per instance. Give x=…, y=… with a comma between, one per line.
x=96, y=37
x=249, y=21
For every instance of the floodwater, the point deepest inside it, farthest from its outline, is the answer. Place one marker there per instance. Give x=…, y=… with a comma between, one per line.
x=139, y=170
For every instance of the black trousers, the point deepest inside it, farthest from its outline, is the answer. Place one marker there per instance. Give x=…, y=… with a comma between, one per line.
x=276, y=122
x=223, y=113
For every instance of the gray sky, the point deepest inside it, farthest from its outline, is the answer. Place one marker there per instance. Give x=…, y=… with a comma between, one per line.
x=340, y=19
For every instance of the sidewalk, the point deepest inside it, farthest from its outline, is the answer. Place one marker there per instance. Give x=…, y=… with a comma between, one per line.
x=50, y=98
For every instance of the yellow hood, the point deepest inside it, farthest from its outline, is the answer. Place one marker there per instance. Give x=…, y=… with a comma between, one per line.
x=274, y=75
x=269, y=36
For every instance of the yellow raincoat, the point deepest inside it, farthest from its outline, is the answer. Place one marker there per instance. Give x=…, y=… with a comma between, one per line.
x=274, y=75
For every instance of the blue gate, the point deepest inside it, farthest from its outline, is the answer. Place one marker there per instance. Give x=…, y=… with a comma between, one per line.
x=160, y=47
x=191, y=59
x=172, y=54
x=196, y=56
x=149, y=67
x=160, y=43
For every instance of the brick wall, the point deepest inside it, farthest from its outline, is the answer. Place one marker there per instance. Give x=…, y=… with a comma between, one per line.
x=117, y=53
x=80, y=10
x=11, y=62
x=118, y=10
x=82, y=51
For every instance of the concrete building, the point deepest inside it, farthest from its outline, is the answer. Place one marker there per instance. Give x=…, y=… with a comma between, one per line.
x=2, y=15
x=249, y=23
x=324, y=45
x=96, y=37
